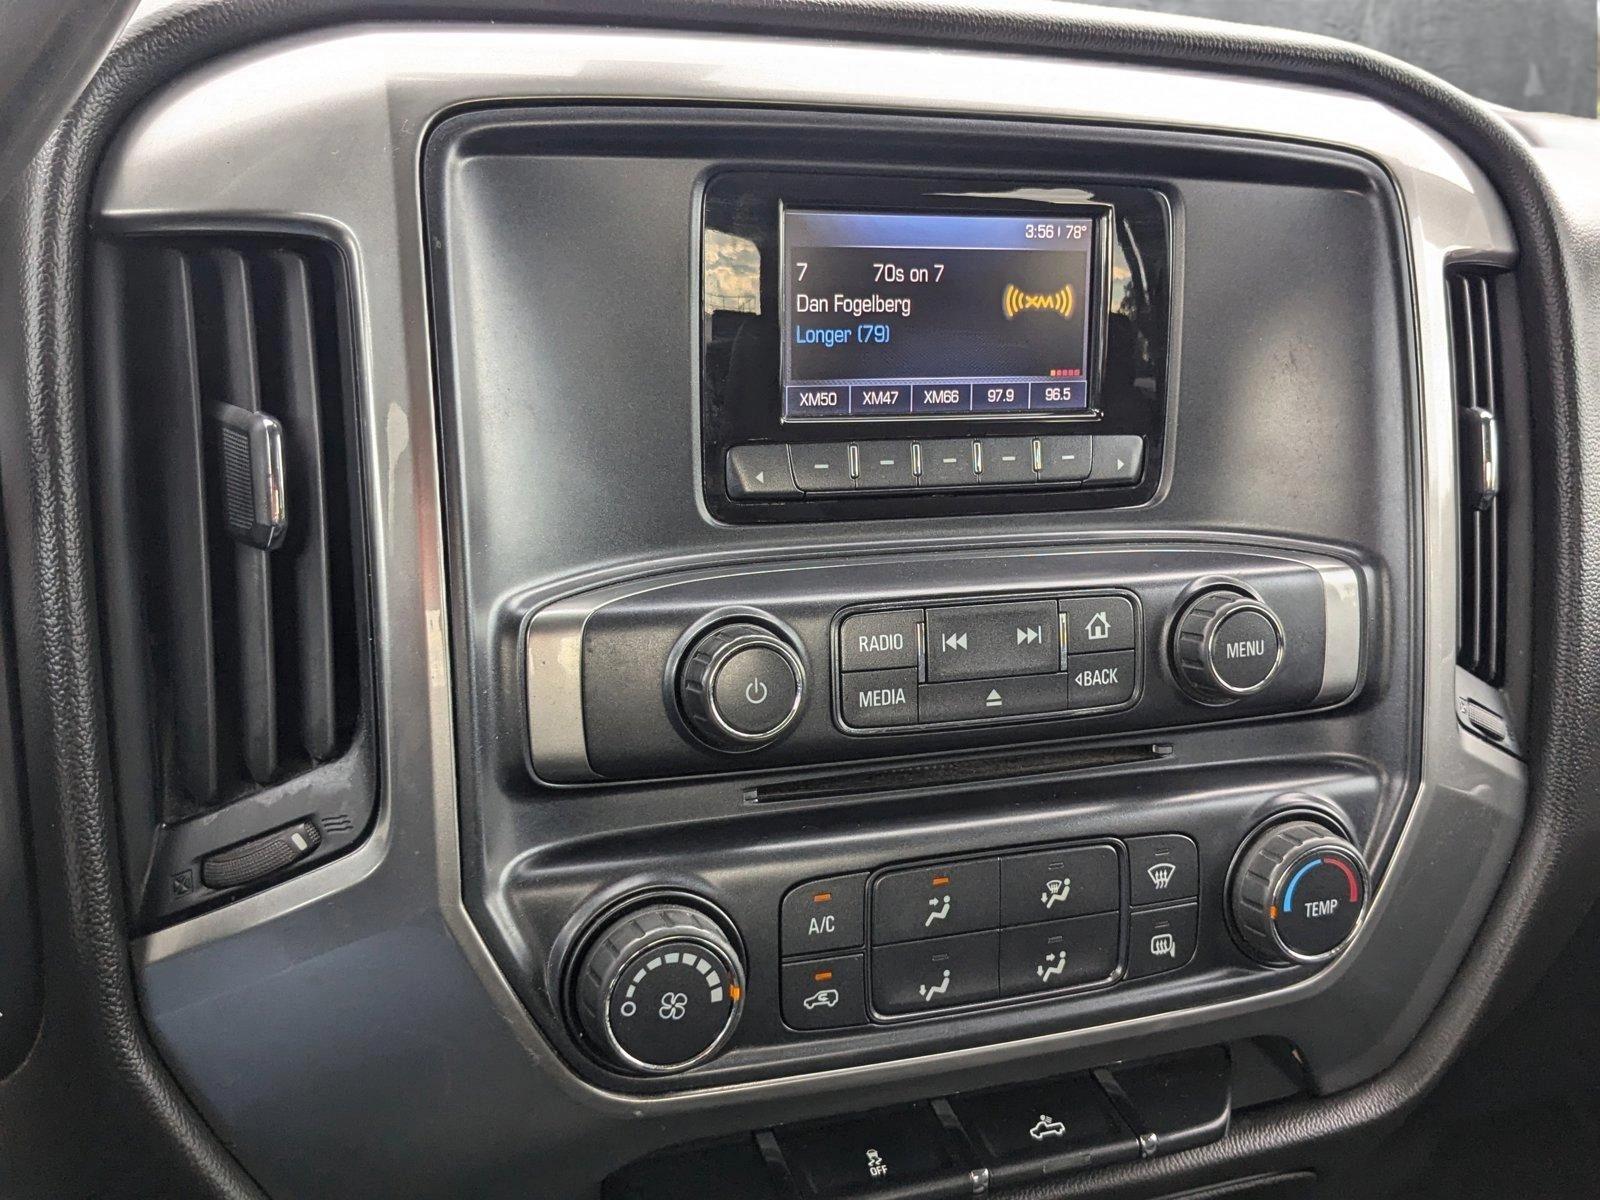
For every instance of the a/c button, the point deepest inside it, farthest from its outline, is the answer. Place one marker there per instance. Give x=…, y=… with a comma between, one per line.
x=824, y=914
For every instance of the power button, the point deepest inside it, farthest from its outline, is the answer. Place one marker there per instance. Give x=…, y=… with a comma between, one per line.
x=755, y=691
x=740, y=686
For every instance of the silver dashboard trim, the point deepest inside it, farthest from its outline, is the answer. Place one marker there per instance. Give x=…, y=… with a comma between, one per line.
x=1342, y=624
x=211, y=152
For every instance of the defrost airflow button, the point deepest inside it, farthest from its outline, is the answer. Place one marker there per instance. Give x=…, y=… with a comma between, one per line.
x=1163, y=867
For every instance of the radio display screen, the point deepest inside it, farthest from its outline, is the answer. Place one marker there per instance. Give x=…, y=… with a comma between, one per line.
x=901, y=315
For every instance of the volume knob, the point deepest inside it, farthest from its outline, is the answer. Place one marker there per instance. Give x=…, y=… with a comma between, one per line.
x=741, y=686
x=1226, y=645
x=659, y=989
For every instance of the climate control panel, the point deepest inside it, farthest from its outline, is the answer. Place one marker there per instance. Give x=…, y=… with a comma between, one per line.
x=752, y=666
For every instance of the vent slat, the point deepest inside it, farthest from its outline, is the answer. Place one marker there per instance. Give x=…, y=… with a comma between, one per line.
x=301, y=414
x=1475, y=363
x=185, y=603
x=240, y=385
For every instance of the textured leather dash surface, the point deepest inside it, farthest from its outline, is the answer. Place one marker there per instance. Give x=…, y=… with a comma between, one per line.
x=94, y=1080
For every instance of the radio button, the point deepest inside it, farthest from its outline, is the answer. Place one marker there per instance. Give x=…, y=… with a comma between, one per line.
x=1065, y=458
x=919, y=976
x=1058, y=954
x=1101, y=680
x=825, y=914
x=978, y=699
x=947, y=463
x=941, y=399
x=879, y=640
x=927, y=902
x=884, y=465
x=1118, y=459
x=1053, y=884
x=822, y=467
x=1163, y=867
x=1095, y=624
x=759, y=472
x=879, y=699
x=1005, y=460
x=977, y=641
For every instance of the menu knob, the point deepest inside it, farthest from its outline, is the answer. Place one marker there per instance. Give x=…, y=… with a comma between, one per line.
x=1226, y=645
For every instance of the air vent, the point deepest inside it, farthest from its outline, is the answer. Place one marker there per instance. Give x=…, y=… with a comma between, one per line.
x=1478, y=380
x=227, y=447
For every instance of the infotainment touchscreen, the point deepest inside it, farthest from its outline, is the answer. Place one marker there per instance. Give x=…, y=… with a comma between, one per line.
x=919, y=315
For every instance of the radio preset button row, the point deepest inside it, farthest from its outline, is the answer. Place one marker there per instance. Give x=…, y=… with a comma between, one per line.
x=771, y=471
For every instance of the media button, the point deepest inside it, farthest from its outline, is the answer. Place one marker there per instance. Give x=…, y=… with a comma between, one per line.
x=1059, y=395
x=884, y=465
x=879, y=699
x=947, y=463
x=880, y=400
x=1101, y=680
x=921, y=976
x=977, y=641
x=1005, y=460
x=941, y=399
x=811, y=403
x=999, y=398
x=822, y=467
x=1064, y=458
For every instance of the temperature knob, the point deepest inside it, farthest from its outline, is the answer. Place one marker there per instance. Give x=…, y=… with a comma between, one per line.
x=660, y=989
x=1298, y=892
x=741, y=686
